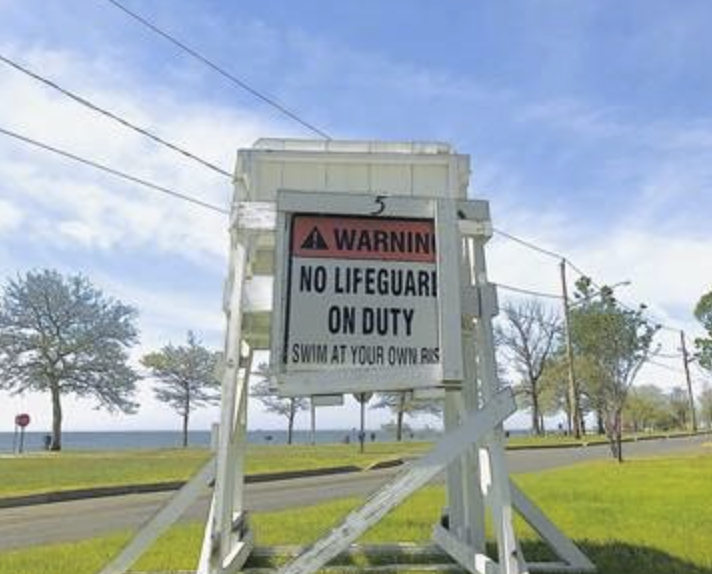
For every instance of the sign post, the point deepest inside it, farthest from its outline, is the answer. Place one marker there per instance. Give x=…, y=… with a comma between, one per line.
x=21, y=422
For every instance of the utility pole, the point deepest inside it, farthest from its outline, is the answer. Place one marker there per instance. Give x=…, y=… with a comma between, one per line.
x=686, y=363
x=573, y=387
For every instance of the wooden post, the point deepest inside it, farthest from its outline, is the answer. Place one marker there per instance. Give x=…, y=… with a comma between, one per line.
x=573, y=386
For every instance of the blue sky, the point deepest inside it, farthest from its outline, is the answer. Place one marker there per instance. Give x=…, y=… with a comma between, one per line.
x=588, y=124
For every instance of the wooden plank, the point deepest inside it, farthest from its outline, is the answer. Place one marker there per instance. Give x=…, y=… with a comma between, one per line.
x=355, y=204
x=557, y=541
x=358, y=380
x=471, y=559
x=449, y=250
x=415, y=476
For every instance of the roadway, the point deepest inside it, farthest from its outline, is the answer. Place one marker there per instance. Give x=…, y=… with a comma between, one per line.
x=78, y=520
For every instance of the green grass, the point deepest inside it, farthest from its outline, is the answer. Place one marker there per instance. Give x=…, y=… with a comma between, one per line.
x=48, y=472
x=647, y=516
x=36, y=473
x=31, y=474
x=557, y=439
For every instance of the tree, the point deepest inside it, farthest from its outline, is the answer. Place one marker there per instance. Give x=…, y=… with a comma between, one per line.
x=704, y=402
x=527, y=338
x=646, y=408
x=555, y=396
x=679, y=407
x=63, y=336
x=401, y=406
x=185, y=378
x=286, y=407
x=617, y=341
x=703, y=313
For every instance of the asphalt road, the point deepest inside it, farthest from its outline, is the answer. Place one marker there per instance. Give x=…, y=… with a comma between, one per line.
x=78, y=520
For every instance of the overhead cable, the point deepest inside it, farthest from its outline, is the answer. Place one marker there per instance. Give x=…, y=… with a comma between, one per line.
x=531, y=292
x=112, y=171
x=103, y=111
x=561, y=257
x=232, y=78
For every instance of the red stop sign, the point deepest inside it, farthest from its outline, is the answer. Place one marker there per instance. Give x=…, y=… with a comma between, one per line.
x=22, y=420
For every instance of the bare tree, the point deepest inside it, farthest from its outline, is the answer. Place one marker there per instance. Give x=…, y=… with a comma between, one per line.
x=287, y=407
x=185, y=378
x=63, y=336
x=527, y=339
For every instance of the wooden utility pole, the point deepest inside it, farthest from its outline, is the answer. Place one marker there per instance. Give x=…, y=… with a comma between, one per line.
x=686, y=363
x=573, y=387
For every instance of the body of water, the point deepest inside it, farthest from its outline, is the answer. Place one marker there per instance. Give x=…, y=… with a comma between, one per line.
x=34, y=441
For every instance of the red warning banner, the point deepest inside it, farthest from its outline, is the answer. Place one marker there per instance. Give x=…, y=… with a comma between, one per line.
x=385, y=239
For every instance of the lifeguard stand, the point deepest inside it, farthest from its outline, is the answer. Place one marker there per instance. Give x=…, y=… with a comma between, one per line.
x=276, y=179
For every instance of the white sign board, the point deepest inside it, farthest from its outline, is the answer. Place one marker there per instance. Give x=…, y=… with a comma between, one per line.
x=361, y=293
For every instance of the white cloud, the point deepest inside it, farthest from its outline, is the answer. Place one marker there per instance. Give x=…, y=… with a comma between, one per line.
x=10, y=217
x=90, y=210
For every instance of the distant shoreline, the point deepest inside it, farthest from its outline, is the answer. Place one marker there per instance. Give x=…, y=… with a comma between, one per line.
x=133, y=439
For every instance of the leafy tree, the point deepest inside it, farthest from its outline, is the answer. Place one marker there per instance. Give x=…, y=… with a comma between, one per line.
x=286, y=407
x=618, y=341
x=400, y=405
x=703, y=313
x=647, y=408
x=704, y=402
x=554, y=383
x=63, y=336
x=185, y=378
x=679, y=407
x=527, y=338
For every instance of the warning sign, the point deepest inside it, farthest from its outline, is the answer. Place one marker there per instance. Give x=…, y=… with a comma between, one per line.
x=364, y=238
x=362, y=293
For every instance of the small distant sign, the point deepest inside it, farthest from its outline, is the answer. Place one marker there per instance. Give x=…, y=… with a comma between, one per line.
x=22, y=420
x=361, y=293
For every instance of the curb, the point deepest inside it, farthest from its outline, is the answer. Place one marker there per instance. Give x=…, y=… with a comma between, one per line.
x=123, y=490
x=105, y=491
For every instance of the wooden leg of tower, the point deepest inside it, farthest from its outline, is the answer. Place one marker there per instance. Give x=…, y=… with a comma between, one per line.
x=227, y=539
x=455, y=478
x=510, y=559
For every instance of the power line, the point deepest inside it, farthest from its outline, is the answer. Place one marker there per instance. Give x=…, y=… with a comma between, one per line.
x=669, y=355
x=235, y=80
x=561, y=257
x=526, y=243
x=92, y=106
x=666, y=367
x=524, y=291
x=114, y=172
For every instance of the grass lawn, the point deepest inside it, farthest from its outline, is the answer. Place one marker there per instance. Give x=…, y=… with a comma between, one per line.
x=647, y=516
x=35, y=473
x=44, y=472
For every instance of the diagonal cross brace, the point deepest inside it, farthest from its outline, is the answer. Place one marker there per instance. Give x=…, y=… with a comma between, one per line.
x=162, y=520
x=415, y=476
x=574, y=560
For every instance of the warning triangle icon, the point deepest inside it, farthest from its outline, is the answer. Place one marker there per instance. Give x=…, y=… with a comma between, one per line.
x=315, y=240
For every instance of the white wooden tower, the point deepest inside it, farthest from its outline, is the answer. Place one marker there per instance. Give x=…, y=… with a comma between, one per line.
x=321, y=234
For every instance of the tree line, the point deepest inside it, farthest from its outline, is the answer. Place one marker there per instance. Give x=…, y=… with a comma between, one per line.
x=609, y=344
x=61, y=335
